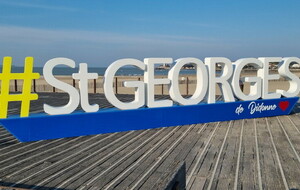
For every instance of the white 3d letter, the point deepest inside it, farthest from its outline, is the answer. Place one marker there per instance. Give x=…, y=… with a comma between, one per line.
x=151, y=82
x=284, y=71
x=222, y=80
x=255, y=82
x=83, y=76
x=264, y=74
x=50, y=79
x=110, y=72
x=202, y=81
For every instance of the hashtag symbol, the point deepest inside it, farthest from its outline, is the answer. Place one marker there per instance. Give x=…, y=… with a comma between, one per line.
x=26, y=96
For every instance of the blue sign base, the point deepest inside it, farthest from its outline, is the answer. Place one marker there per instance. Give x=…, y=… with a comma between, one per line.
x=43, y=126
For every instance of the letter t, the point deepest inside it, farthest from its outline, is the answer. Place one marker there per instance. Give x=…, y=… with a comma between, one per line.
x=83, y=76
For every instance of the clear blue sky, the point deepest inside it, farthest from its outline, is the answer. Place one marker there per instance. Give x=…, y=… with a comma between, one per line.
x=100, y=32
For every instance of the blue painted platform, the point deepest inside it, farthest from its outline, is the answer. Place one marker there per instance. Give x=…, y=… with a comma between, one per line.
x=43, y=126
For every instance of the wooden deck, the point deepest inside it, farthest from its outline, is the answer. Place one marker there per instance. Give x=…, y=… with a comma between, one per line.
x=261, y=153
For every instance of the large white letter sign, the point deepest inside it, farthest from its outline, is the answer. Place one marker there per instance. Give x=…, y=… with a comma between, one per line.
x=160, y=113
x=255, y=82
x=294, y=81
x=264, y=74
x=151, y=82
x=202, y=81
x=139, y=86
x=73, y=93
x=83, y=76
x=222, y=80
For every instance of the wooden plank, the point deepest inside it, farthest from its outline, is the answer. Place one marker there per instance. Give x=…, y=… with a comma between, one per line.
x=202, y=135
x=228, y=163
x=100, y=172
x=8, y=188
x=270, y=172
x=172, y=178
x=13, y=163
x=177, y=155
x=248, y=165
x=225, y=183
x=165, y=154
x=198, y=154
x=213, y=183
x=296, y=121
x=239, y=153
x=55, y=158
x=97, y=170
x=206, y=169
x=80, y=161
x=290, y=165
x=198, y=182
x=93, y=168
x=40, y=173
x=292, y=130
x=292, y=135
x=8, y=141
x=137, y=170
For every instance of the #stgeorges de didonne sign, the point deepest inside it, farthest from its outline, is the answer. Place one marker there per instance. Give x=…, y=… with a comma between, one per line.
x=145, y=112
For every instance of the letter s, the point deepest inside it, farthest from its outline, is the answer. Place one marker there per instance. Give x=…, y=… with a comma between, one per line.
x=73, y=93
x=284, y=71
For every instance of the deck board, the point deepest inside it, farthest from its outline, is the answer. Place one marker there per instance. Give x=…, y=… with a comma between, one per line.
x=261, y=153
x=269, y=166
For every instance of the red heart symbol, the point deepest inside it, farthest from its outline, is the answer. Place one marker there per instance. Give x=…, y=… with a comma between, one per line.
x=284, y=105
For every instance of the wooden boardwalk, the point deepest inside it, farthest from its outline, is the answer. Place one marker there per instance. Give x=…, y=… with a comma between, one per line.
x=261, y=153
